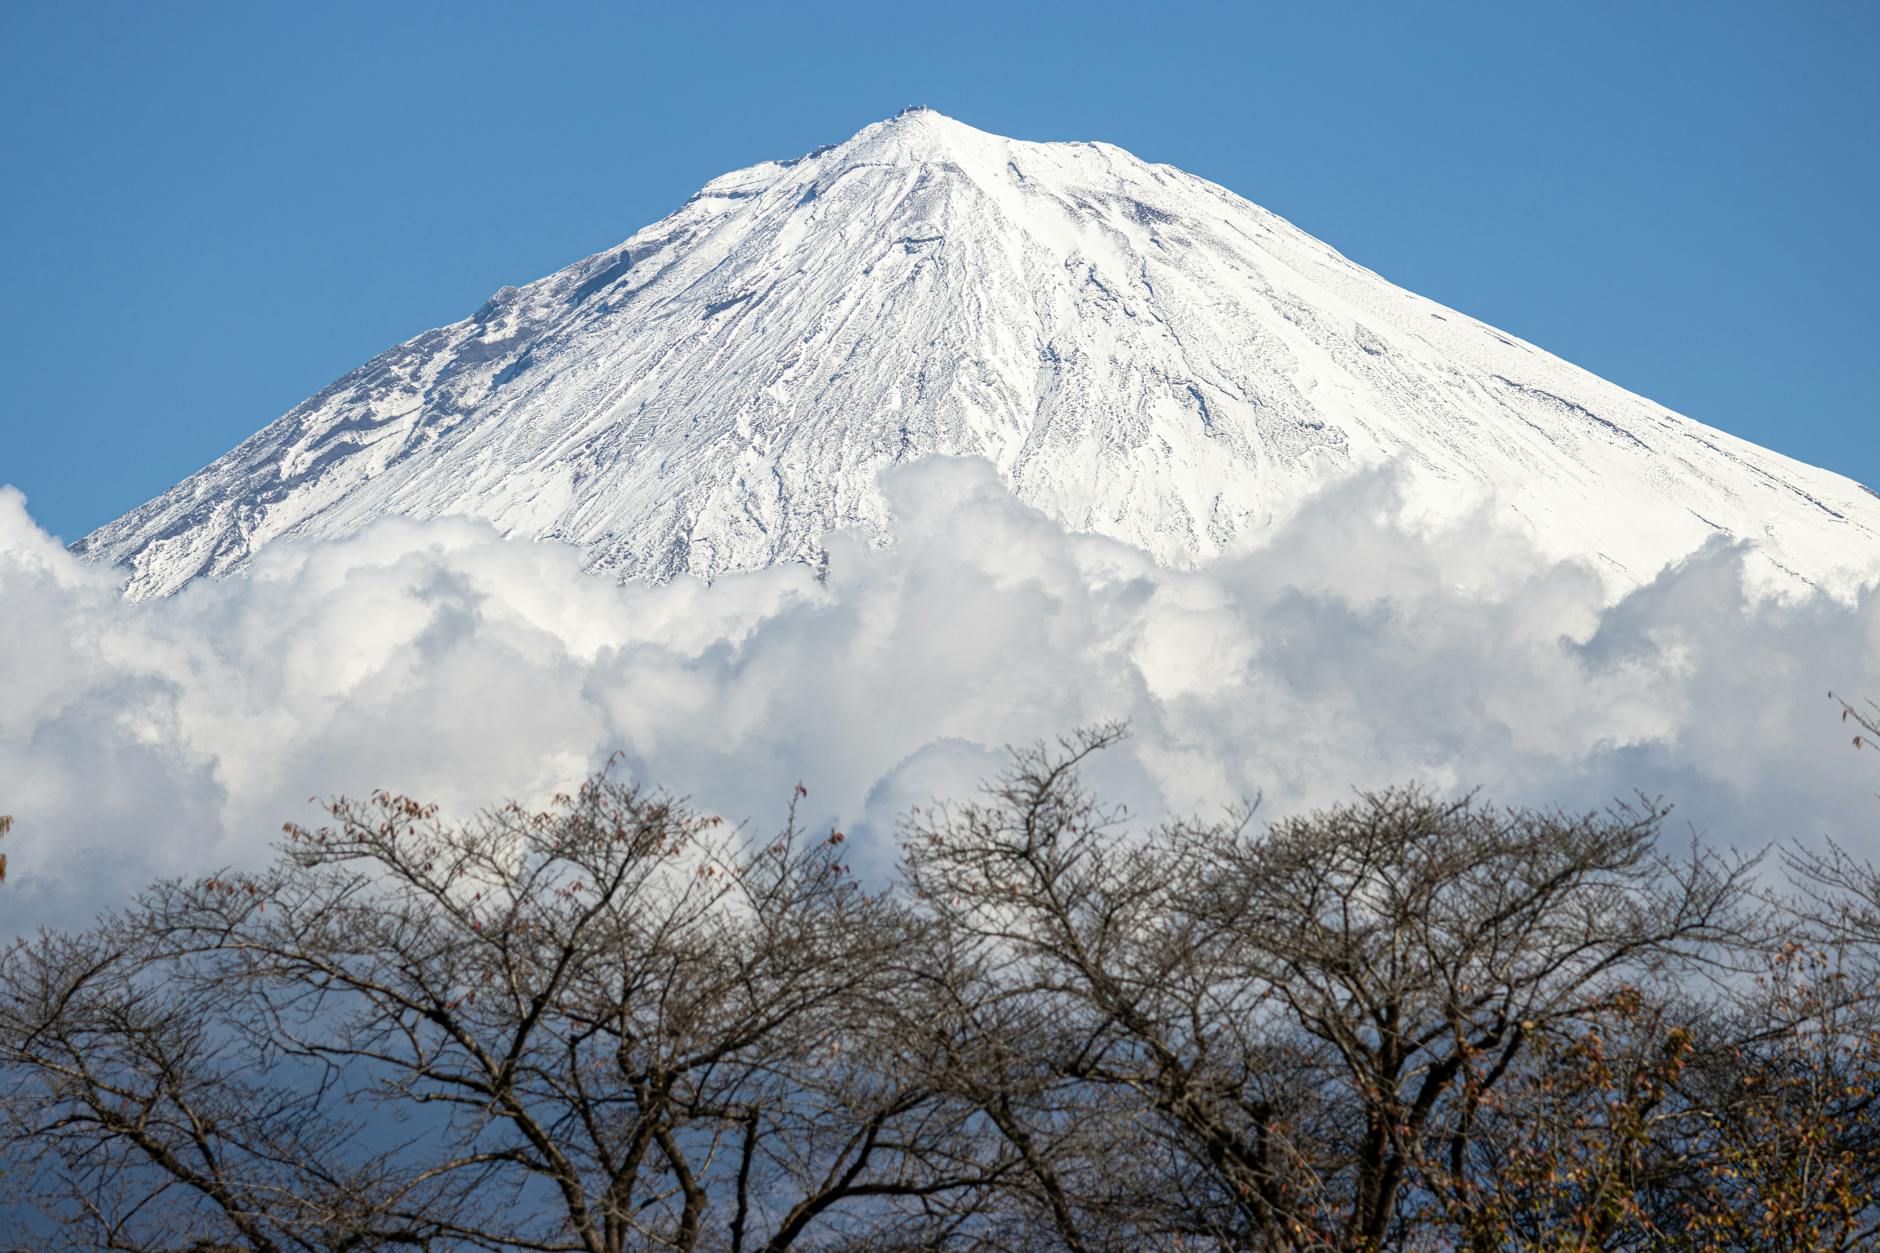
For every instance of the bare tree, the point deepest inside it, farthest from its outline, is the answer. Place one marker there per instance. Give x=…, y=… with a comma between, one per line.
x=137, y=1119
x=1404, y=1022
x=607, y=1026
x=1306, y=1019
x=1786, y=1093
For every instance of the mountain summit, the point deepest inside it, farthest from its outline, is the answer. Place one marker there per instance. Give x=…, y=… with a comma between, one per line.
x=1140, y=352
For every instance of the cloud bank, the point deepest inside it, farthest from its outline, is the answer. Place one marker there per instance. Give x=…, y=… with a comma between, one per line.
x=1354, y=648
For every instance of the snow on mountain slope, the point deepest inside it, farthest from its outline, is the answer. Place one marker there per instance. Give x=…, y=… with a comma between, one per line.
x=1140, y=352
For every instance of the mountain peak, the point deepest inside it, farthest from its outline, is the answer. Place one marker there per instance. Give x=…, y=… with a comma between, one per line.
x=919, y=130
x=921, y=117
x=1139, y=352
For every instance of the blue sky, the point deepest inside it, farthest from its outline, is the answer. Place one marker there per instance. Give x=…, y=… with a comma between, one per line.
x=211, y=211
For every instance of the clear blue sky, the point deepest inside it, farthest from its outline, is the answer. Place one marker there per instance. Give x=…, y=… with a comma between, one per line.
x=210, y=211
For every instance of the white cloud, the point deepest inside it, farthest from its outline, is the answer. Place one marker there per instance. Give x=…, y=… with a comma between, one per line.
x=1350, y=650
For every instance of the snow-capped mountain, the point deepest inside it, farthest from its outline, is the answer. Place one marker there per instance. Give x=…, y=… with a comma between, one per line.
x=1141, y=353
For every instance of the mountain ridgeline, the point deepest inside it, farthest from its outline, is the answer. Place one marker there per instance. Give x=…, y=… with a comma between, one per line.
x=1141, y=353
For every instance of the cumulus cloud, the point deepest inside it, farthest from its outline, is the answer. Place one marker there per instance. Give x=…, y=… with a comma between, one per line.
x=1354, y=648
